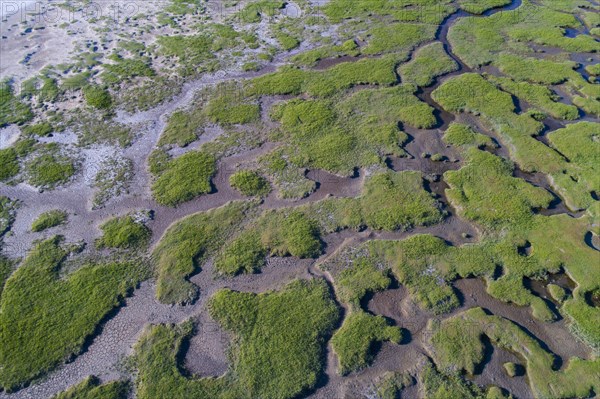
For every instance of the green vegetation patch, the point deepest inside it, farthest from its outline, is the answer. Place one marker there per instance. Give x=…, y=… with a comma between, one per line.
x=187, y=243
x=397, y=201
x=477, y=41
x=49, y=167
x=184, y=178
x=539, y=96
x=479, y=7
x=460, y=135
x=97, y=97
x=395, y=37
x=353, y=342
x=91, y=388
x=9, y=163
x=33, y=340
x=484, y=190
x=578, y=379
x=12, y=110
x=49, y=219
x=472, y=93
x=124, y=232
x=250, y=183
x=580, y=143
x=6, y=268
x=446, y=385
x=358, y=131
x=428, y=62
x=362, y=277
x=275, y=354
x=288, y=80
x=39, y=129
x=182, y=128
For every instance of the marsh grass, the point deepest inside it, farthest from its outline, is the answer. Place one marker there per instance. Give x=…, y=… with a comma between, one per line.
x=184, y=178
x=123, y=232
x=275, y=354
x=578, y=379
x=428, y=62
x=92, y=388
x=49, y=219
x=33, y=340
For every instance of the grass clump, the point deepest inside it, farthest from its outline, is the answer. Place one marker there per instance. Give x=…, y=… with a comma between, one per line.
x=33, y=340
x=396, y=201
x=6, y=268
x=187, y=244
x=275, y=354
x=39, y=129
x=12, y=110
x=97, y=97
x=9, y=163
x=123, y=232
x=244, y=254
x=49, y=168
x=184, y=178
x=362, y=278
x=429, y=62
x=250, y=183
x=420, y=264
x=182, y=128
x=287, y=41
x=48, y=220
x=485, y=191
x=358, y=131
x=557, y=292
x=512, y=369
x=377, y=71
x=472, y=93
x=255, y=11
x=229, y=107
x=459, y=134
x=580, y=143
x=353, y=342
x=91, y=388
